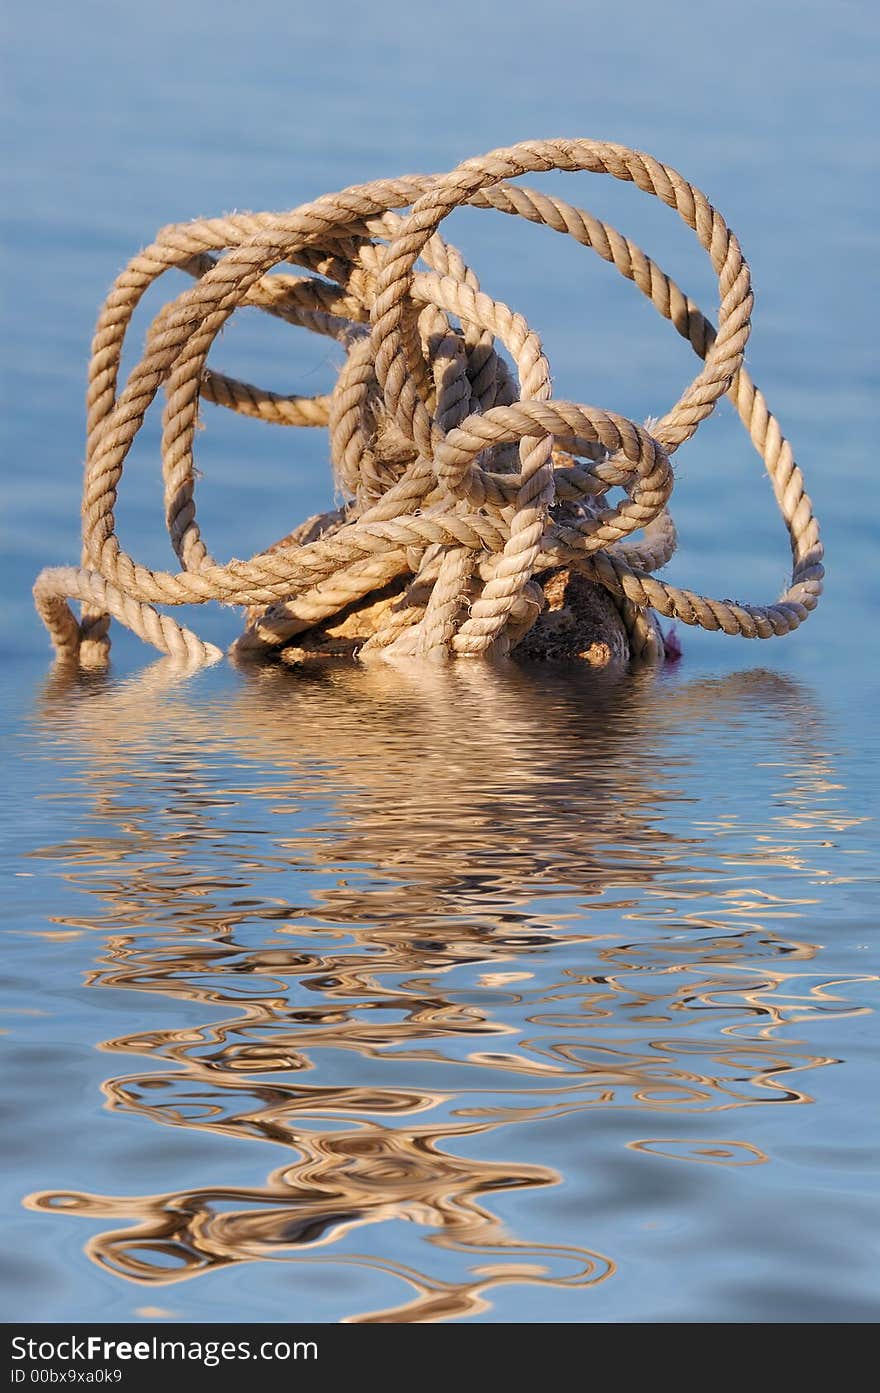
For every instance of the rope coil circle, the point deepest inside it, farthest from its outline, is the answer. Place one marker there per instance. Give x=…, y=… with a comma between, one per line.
x=464, y=479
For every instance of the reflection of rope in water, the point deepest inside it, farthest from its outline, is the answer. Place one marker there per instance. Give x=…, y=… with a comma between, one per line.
x=342, y=1182
x=374, y=965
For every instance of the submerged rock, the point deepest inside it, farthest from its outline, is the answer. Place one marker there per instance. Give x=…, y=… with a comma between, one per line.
x=579, y=623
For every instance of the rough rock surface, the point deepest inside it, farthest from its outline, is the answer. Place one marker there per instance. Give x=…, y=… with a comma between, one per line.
x=580, y=623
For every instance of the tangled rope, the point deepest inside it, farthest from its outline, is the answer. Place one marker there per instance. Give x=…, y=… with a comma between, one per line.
x=464, y=479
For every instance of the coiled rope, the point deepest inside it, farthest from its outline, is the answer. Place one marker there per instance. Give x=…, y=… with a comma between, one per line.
x=464, y=481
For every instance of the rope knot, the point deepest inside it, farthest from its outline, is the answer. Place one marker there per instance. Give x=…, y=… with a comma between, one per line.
x=466, y=483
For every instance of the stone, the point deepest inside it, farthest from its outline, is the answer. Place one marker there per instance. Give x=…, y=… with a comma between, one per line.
x=579, y=623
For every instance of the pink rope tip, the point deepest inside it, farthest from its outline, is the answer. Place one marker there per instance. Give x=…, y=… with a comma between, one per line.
x=672, y=646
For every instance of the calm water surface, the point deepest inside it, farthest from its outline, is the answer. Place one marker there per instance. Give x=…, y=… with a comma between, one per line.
x=505, y=995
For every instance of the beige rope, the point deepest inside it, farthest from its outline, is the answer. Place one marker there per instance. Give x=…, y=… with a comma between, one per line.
x=463, y=480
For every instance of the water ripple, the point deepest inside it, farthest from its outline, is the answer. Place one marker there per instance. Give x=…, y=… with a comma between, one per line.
x=398, y=928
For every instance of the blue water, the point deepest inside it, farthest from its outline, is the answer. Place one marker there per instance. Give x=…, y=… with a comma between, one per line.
x=522, y=995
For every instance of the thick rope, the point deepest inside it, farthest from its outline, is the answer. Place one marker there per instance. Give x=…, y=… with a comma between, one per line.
x=464, y=480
